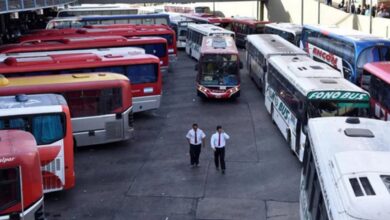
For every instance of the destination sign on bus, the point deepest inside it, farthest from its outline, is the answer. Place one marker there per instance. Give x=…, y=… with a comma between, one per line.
x=338, y=95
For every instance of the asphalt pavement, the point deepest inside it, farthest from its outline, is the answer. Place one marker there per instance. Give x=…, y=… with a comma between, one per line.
x=150, y=178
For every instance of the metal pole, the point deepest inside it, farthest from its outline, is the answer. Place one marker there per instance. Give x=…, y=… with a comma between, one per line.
x=258, y=9
x=302, y=7
x=370, y=16
x=319, y=13
x=214, y=8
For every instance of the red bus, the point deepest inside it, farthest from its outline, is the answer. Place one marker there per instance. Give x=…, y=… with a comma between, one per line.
x=209, y=18
x=142, y=70
x=126, y=30
x=47, y=118
x=156, y=46
x=21, y=179
x=379, y=88
x=218, y=68
x=245, y=26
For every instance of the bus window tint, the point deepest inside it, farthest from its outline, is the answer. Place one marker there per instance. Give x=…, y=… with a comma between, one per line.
x=47, y=128
x=161, y=21
x=373, y=54
x=168, y=38
x=380, y=91
x=219, y=70
x=333, y=108
x=10, y=188
x=93, y=102
x=111, y=69
x=145, y=73
x=158, y=50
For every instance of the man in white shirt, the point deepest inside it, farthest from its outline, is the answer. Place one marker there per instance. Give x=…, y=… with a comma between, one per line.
x=195, y=138
x=218, y=143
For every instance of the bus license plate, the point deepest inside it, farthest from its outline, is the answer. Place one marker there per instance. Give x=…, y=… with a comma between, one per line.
x=222, y=87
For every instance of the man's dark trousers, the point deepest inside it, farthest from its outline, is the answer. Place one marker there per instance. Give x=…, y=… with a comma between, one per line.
x=219, y=157
x=194, y=153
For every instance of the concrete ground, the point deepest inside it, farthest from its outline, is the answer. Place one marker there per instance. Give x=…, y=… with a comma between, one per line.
x=150, y=178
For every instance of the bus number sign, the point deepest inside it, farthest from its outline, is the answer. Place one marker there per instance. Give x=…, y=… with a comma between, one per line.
x=338, y=95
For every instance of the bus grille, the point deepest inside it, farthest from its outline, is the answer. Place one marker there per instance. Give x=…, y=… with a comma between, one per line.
x=50, y=180
x=131, y=120
x=114, y=130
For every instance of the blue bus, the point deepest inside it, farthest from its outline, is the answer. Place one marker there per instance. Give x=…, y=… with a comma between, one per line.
x=81, y=21
x=345, y=50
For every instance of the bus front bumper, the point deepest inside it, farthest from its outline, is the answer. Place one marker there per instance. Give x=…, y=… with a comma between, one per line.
x=146, y=103
x=226, y=94
x=36, y=210
x=181, y=44
x=103, y=129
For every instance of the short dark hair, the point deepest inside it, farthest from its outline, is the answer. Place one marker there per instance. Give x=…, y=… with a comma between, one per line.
x=219, y=127
x=193, y=125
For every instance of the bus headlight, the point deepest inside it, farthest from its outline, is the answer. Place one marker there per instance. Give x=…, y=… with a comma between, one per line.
x=234, y=90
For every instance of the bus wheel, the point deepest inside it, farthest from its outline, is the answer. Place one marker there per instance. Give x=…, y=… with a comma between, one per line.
x=288, y=137
x=74, y=145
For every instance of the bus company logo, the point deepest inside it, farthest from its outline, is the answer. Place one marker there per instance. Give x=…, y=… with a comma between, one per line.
x=283, y=110
x=327, y=57
x=4, y=160
x=332, y=95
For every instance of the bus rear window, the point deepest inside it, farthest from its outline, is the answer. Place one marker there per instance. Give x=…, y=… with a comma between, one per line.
x=144, y=73
x=9, y=187
x=158, y=50
x=46, y=128
x=86, y=103
x=168, y=37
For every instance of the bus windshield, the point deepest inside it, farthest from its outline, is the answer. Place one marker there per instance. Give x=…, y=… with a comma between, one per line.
x=373, y=54
x=46, y=128
x=329, y=108
x=219, y=70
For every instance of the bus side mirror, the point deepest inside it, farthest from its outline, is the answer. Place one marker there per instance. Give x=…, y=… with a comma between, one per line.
x=241, y=65
x=196, y=67
x=304, y=129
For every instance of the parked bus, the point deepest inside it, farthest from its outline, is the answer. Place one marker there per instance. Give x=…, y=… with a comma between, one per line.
x=379, y=89
x=219, y=68
x=195, y=35
x=142, y=70
x=112, y=30
x=290, y=32
x=345, y=50
x=101, y=10
x=180, y=26
x=81, y=21
x=47, y=118
x=187, y=8
x=156, y=46
x=209, y=18
x=298, y=88
x=346, y=170
x=100, y=103
x=243, y=27
x=259, y=48
x=21, y=178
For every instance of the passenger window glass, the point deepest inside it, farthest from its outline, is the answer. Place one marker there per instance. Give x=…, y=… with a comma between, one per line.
x=47, y=129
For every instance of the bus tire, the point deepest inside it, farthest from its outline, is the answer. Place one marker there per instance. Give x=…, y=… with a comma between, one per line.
x=74, y=145
x=288, y=137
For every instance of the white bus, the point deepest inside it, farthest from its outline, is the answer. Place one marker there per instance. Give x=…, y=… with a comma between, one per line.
x=298, y=88
x=187, y=8
x=259, y=48
x=97, y=10
x=346, y=170
x=290, y=32
x=180, y=25
x=195, y=34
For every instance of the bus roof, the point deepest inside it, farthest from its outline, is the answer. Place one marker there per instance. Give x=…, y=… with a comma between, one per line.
x=109, y=17
x=207, y=17
x=207, y=29
x=380, y=70
x=249, y=21
x=16, y=145
x=102, y=52
x=218, y=45
x=25, y=101
x=349, y=35
x=68, y=42
x=344, y=151
x=70, y=61
x=308, y=75
x=271, y=44
x=288, y=27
